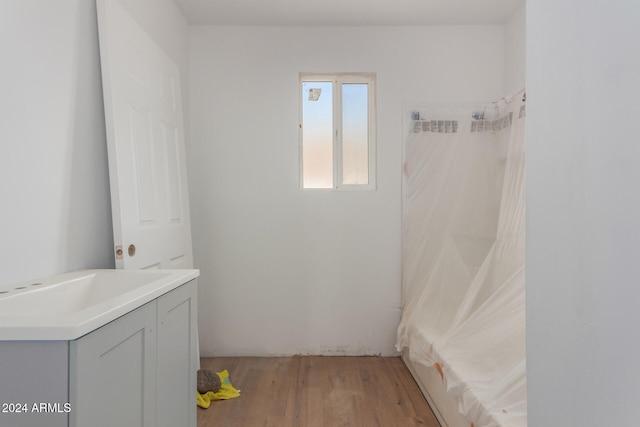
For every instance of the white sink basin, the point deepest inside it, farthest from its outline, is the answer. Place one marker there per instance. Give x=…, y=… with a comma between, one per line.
x=69, y=305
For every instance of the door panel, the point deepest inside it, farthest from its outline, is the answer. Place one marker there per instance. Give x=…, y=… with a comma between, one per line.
x=145, y=137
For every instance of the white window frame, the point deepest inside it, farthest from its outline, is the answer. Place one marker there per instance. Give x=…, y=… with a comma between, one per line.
x=338, y=79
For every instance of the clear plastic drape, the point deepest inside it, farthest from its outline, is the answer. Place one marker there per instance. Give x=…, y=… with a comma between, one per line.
x=463, y=256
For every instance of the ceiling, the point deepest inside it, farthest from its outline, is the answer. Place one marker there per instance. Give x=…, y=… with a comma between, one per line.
x=347, y=12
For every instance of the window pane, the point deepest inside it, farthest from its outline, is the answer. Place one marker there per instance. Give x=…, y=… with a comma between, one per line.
x=355, y=133
x=317, y=135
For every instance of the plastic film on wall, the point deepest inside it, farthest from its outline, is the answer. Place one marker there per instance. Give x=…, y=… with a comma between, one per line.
x=463, y=256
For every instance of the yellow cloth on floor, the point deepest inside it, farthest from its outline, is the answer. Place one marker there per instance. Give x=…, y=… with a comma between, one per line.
x=227, y=391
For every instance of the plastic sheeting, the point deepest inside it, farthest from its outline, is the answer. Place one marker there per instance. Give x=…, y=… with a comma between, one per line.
x=463, y=256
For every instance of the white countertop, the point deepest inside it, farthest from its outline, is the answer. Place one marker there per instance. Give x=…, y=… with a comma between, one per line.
x=66, y=306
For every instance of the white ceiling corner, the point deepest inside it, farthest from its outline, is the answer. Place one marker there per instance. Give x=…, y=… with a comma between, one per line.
x=347, y=12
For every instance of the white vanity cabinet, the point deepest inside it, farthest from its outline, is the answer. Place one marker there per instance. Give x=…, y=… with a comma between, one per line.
x=140, y=369
x=137, y=370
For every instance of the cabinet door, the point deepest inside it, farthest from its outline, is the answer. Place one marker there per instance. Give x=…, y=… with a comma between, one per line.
x=112, y=373
x=177, y=334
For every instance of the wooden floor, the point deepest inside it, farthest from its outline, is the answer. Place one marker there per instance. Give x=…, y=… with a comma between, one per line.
x=317, y=391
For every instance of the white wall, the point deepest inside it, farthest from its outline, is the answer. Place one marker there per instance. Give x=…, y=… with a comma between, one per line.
x=583, y=201
x=515, y=52
x=286, y=271
x=56, y=212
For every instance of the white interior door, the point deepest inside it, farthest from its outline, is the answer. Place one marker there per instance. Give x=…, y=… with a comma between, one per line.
x=145, y=137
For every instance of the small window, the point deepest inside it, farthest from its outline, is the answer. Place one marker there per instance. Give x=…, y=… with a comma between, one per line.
x=337, y=131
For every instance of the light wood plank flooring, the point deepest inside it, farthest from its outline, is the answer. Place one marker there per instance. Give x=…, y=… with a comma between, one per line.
x=317, y=391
